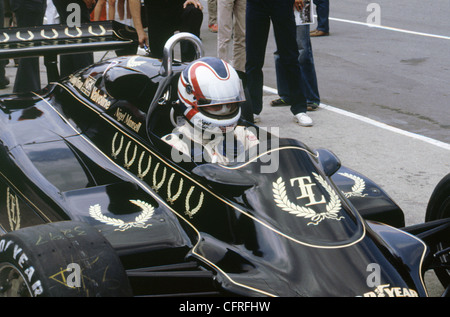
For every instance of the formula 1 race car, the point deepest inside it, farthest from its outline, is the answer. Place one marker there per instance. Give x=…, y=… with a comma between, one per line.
x=93, y=202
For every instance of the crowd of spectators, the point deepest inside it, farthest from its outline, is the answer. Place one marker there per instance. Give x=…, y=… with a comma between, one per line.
x=242, y=28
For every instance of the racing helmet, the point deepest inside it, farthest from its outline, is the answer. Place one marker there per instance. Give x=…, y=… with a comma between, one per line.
x=210, y=92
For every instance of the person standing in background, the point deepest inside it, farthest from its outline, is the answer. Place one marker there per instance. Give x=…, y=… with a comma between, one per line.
x=28, y=13
x=111, y=9
x=259, y=15
x=98, y=10
x=123, y=12
x=212, y=16
x=308, y=83
x=165, y=17
x=73, y=62
x=231, y=22
x=323, y=25
x=135, y=11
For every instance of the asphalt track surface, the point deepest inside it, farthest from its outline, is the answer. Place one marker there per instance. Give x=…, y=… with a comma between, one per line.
x=385, y=108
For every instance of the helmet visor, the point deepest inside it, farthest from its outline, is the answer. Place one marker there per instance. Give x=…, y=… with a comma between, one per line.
x=218, y=95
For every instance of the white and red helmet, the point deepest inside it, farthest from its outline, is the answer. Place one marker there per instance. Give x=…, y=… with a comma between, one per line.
x=210, y=91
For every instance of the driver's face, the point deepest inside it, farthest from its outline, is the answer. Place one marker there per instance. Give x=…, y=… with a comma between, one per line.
x=221, y=110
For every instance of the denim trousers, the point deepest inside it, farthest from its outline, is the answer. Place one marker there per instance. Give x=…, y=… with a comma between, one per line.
x=323, y=11
x=259, y=15
x=308, y=83
x=231, y=34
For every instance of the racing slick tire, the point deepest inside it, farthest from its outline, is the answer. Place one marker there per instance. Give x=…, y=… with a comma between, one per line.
x=61, y=259
x=439, y=208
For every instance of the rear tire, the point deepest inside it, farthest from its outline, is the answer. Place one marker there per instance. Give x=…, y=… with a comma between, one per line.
x=60, y=259
x=439, y=208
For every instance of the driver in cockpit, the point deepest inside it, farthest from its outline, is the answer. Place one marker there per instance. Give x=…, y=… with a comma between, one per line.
x=210, y=95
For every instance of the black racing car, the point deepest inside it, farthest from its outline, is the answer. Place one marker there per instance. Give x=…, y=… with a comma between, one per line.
x=93, y=203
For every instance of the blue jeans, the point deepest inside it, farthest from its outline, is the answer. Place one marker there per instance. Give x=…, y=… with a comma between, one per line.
x=323, y=11
x=258, y=17
x=308, y=82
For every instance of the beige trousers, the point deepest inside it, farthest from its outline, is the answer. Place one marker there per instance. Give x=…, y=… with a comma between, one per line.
x=212, y=12
x=231, y=34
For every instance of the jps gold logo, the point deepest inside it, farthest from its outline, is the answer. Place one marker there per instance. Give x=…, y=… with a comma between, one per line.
x=305, y=184
x=306, y=189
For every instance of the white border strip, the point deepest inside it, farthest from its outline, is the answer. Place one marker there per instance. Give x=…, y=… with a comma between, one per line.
x=378, y=124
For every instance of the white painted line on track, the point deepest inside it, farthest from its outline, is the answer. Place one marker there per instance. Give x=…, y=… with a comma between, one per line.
x=376, y=123
x=440, y=144
x=443, y=37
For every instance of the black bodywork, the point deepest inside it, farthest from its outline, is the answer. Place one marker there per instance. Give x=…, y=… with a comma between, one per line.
x=88, y=148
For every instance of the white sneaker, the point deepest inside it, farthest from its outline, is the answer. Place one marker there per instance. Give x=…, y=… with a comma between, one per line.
x=256, y=118
x=303, y=119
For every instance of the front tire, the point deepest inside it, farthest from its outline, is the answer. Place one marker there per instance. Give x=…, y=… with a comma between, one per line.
x=439, y=208
x=60, y=259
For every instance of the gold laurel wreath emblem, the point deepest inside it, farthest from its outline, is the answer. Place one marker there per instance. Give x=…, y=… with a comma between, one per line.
x=12, y=206
x=115, y=152
x=358, y=187
x=6, y=38
x=282, y=201
x=139, y=222
x=191, y=212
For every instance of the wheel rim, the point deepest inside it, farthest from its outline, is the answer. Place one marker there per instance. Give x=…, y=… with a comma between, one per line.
x=12, y=282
